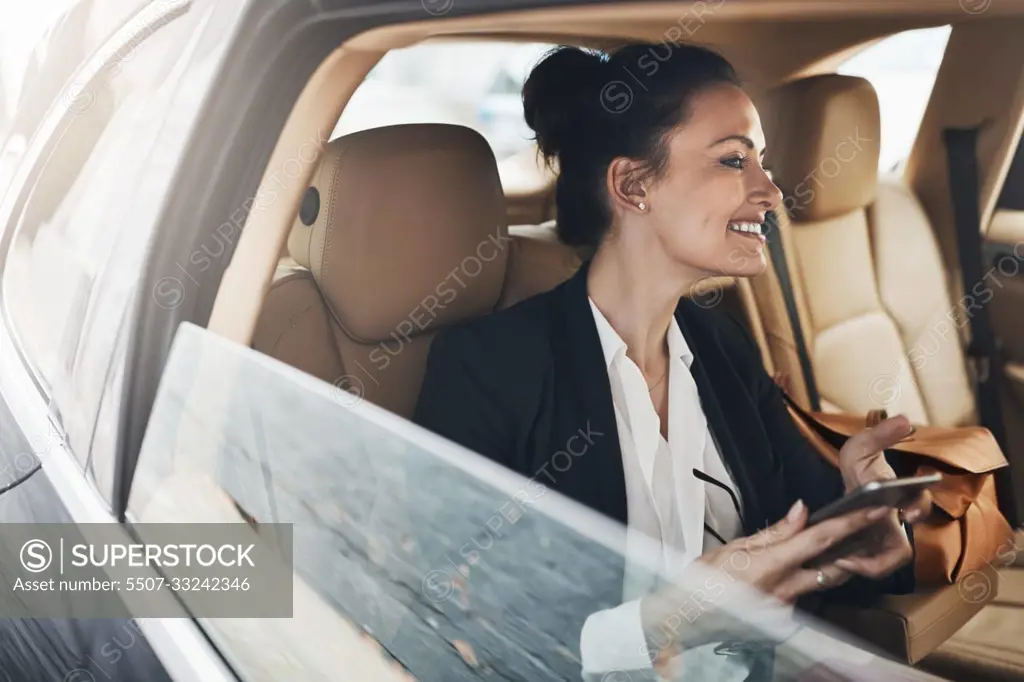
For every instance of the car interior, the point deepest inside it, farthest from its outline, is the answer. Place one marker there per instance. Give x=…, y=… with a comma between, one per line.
x=396, y=232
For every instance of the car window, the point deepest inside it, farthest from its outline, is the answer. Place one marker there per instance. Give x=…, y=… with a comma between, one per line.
x=475, y=84
x=41, y=46
x=73, y=263
x=23, y=39
x=413, y=557
x=902, y=68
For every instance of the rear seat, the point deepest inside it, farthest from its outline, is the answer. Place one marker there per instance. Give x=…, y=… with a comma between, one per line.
x=879, y=324
x=402, y=233
x=866, y=266
x=537, y=263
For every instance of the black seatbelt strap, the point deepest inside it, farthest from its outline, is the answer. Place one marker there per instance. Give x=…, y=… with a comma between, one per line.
x=984, y=349
x=773, y=236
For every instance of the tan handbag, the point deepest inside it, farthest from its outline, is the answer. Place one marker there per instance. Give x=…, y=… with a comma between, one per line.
x=966, y=530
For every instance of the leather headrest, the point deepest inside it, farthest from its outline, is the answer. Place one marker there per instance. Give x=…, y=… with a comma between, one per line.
x=823, y=136
x=302, y=228
x=411, y=230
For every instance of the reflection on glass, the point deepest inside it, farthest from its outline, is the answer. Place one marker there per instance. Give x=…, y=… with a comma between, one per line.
x=415, y=557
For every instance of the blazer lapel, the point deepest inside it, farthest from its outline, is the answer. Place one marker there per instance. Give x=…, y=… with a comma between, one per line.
x=583, y=404
x=583, y=407
x=715, y=382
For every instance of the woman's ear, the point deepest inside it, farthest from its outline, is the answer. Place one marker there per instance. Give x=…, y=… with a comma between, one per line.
x=626, y=186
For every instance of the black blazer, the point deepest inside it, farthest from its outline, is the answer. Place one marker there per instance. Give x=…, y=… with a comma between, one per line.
x=530, y=381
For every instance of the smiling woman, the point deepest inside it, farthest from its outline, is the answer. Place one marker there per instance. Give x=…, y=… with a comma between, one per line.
x=682, y=150
x=666, y=181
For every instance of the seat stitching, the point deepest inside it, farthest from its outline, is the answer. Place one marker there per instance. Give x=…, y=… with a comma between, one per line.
x=325, y=247
x=292, y=326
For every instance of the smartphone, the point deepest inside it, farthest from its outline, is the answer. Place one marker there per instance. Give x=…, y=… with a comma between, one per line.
x=895, y=493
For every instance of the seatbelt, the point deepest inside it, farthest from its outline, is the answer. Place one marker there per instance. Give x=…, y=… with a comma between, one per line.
x=773, y=237
x=984, y=349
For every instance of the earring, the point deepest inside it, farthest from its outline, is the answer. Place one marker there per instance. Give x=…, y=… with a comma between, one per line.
x=642, y=206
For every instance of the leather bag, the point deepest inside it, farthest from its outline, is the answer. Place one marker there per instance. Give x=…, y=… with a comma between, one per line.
x=965, y=531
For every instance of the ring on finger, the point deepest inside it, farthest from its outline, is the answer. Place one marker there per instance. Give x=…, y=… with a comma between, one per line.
x=821, y=578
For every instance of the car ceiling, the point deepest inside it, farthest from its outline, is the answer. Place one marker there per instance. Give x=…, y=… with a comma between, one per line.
x=768, y=41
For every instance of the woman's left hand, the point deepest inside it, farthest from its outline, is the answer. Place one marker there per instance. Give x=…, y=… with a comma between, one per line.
x=861, y=461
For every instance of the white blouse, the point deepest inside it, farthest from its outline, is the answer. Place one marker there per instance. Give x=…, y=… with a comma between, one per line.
x=665, y=501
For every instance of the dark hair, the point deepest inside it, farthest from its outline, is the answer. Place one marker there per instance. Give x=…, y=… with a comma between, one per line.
x=588, y=107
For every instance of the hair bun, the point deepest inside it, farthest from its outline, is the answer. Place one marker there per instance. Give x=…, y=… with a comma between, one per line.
x=560, y=94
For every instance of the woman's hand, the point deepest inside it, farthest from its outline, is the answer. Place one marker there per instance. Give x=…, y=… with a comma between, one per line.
x=862, y=460
x=772, y=561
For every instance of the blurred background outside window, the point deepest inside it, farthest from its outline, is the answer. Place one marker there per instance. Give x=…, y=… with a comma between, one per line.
x=467, y=83
x=902, y=68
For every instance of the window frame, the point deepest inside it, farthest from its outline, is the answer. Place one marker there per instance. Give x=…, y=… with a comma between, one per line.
x=272, y=45
x=47, y=138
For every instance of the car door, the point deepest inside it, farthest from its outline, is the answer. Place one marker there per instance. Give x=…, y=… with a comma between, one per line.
x=76, y=222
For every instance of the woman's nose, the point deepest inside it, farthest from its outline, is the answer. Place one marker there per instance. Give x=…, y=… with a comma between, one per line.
x=775, y=195
x=767, y=193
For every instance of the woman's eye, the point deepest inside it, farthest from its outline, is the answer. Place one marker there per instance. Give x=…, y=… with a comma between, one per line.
x=737, y=162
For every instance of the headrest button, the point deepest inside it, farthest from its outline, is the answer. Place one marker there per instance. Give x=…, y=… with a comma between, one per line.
x=310, y=207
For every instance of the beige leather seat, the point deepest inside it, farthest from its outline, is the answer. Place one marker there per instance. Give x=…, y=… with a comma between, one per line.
x=402, y=233
x=880, y=325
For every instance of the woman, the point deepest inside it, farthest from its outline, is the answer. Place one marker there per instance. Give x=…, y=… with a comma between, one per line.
x=664, y=406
